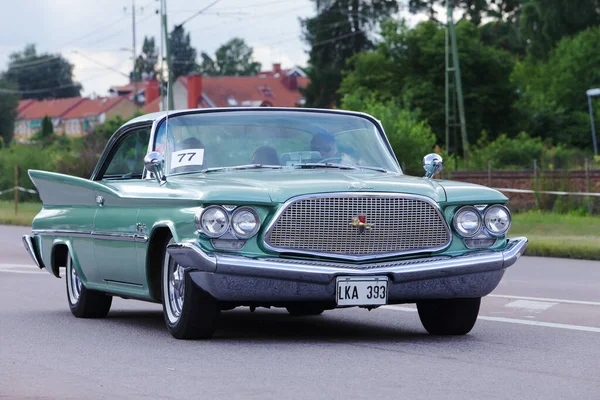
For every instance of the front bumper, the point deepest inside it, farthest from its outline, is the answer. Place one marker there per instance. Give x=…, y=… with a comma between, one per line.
x=235, y=278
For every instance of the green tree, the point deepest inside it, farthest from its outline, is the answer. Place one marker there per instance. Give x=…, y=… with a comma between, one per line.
x=46, y=133
x=411, y=68
x=545, y=22
x=183, y=55
x=145, y=64
x=8, y=111
x=234, y=58
x=41, y=76
x=410, y=136
x=473, y=9
x=338, y=31
x=553, y=92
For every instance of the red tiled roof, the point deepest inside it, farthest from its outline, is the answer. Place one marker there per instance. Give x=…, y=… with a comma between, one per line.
x=129, y=87
x=51, y=108
x=250, y=88
x=93, y=108
x=24, y=104
x=153, y=106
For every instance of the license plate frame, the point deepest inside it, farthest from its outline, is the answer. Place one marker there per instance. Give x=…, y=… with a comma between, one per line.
x=354, y=291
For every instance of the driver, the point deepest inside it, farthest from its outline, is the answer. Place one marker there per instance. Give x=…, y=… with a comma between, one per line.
x=325, y=144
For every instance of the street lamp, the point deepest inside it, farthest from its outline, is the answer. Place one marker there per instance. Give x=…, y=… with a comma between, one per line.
x=590, y=93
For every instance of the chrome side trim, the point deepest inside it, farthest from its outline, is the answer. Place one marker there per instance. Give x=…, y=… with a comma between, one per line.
x=356, y=194
x=191, y=256
x=28, y=242
x=123, y=237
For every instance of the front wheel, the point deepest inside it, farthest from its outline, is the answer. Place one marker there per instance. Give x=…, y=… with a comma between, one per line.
x=190, y=312
x=449, y=317
x=84, y=303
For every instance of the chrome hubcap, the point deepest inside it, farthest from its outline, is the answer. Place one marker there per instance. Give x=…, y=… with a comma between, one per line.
x=176, y=289
x=74, y=282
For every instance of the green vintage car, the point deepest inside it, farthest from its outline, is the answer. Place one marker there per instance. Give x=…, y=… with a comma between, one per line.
x=208, y=210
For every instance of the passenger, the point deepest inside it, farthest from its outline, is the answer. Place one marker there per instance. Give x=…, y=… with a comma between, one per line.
x=324, y=144
x=265, y=155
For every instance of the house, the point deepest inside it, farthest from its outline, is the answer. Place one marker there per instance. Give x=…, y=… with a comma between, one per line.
x=142, y=87
x=31, y=112
x=277, y=72
x=73, y=116
x=89, y=113
x=276, y=89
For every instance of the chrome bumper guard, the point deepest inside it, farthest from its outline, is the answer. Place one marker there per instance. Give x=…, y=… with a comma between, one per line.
x=30, y=247
x=191, y=257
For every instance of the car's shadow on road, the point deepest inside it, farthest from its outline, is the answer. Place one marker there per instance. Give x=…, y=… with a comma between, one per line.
x=277, y=326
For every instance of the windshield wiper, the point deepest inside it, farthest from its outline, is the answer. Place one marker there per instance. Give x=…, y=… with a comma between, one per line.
x=373, y=168
x=241, y=167
x=323, y=165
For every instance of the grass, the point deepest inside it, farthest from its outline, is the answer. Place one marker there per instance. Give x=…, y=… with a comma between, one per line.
x=549, y=234
x=25, y=214
x=559, y=235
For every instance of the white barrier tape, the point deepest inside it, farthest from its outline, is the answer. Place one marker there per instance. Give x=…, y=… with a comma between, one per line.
x=20, y=189
x=548, y=192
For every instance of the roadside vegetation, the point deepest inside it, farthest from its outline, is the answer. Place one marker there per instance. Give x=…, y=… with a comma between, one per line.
x=24, y=216
x=549, y=234
x=559, y=235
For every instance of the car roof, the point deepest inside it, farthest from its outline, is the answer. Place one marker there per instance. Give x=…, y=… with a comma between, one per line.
x=161, y=114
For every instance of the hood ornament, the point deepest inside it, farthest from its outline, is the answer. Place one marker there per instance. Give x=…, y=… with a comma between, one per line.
x=360, y=222
x=359, y=186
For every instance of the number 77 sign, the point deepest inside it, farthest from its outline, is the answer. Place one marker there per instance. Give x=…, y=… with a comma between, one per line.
x=183, y=158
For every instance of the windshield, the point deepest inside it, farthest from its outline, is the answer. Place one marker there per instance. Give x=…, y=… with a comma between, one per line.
x=276, y=139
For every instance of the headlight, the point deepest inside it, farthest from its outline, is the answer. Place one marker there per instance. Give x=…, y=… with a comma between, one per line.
x=497, y=220
x=245, y=222
x=213, y=221
x=467, y=221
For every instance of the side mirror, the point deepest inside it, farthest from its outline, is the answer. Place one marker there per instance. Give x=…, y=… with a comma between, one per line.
x=433, y=164
x=155, y=163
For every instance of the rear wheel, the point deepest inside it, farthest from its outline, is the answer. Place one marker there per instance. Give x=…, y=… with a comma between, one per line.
x=84, y=303
x=190, y=312
x=304, y=310
x=449, y=317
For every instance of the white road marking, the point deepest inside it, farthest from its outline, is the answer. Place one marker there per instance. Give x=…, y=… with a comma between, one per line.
x=504, y=296
x=530, y=305
x=20, y=269
x=544, y=324
x=515, y=321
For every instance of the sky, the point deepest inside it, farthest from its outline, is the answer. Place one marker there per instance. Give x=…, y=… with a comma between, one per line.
x=94, y=35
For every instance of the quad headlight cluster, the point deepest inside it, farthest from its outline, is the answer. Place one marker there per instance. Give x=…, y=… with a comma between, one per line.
x=469, y=221
x=216, y=221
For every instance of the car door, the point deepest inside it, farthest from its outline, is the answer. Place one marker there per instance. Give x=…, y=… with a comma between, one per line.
x=116, y=231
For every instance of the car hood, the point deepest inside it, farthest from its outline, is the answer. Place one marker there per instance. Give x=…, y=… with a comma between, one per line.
x=277, y=186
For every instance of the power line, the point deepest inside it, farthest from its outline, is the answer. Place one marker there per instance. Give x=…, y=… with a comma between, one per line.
x=118, y=32
x=27, y=64
x=39, y=90
x=198, y=13
x=92, y=33
x=100, y=63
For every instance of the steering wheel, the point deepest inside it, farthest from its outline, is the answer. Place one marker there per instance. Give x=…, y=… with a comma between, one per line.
x=331, y=159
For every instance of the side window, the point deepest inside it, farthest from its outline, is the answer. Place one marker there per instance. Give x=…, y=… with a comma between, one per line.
x=128, y=160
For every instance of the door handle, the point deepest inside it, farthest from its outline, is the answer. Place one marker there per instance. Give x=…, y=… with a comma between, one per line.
x=100, y=200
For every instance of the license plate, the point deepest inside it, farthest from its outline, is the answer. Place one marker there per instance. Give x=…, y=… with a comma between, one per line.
x=361, y=291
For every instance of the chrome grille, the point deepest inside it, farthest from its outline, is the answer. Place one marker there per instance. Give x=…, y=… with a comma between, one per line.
x=322, y=225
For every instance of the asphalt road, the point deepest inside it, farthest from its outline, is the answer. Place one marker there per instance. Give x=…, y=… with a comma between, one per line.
x=538, y=336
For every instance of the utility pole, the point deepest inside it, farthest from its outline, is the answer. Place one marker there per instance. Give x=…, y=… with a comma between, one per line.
x=135, y=86
x=454, y=93
x=170, y=105
x=162, y=59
